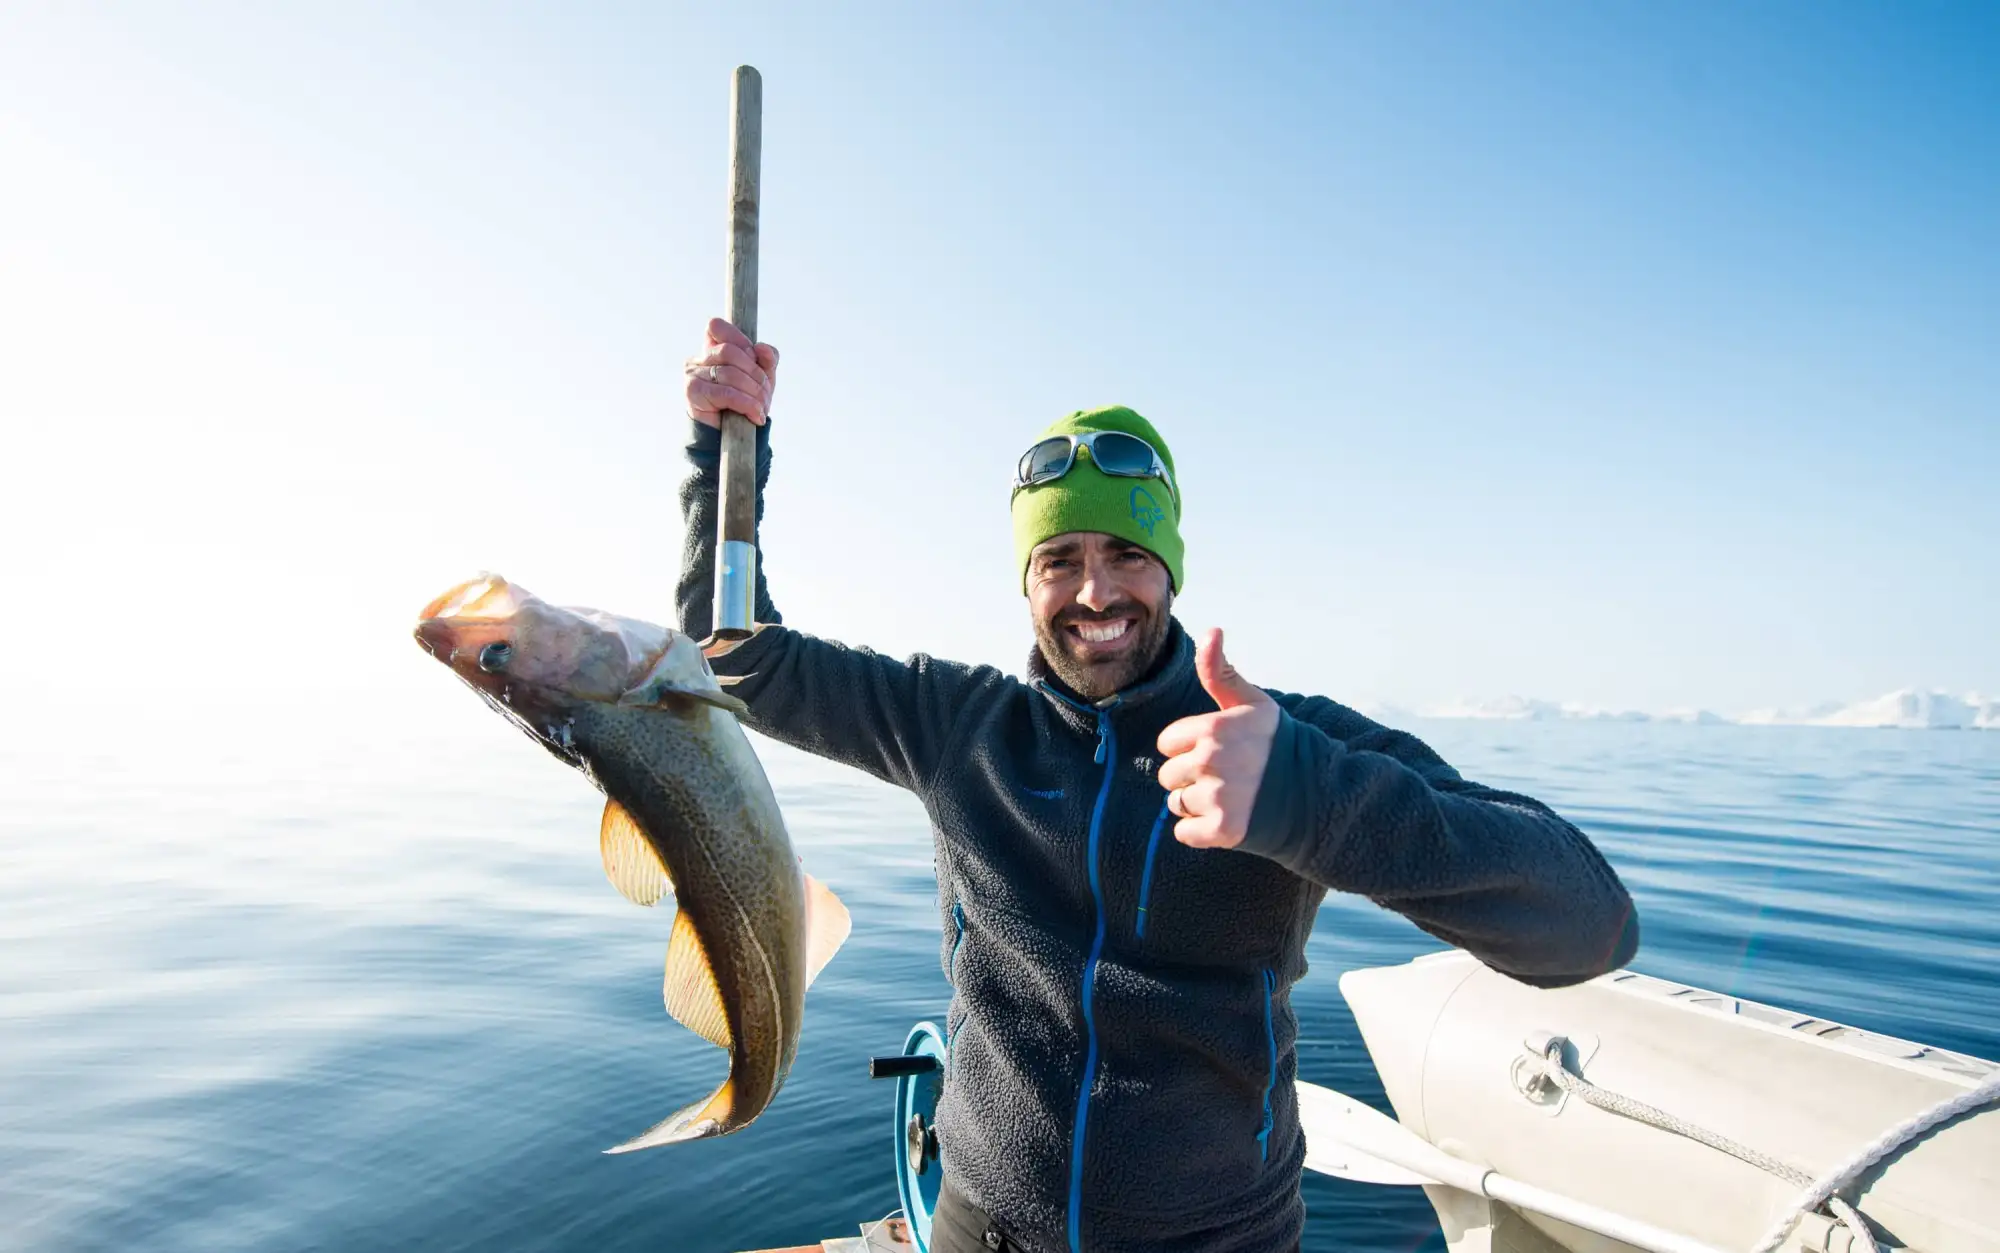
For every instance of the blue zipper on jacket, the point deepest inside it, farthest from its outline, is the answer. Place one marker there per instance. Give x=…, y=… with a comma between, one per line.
x=1271, y=1075
x=1146, y=879
x=1107, y=756
x=951, y=971
x=958, y=938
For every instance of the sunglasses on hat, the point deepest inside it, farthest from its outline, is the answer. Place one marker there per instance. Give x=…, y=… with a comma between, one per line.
x=1112, y=452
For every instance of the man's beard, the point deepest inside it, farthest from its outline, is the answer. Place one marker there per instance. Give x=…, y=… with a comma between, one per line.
x=1098, y=678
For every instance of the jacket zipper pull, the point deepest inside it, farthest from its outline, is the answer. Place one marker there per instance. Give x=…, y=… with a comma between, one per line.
x=1103, y=737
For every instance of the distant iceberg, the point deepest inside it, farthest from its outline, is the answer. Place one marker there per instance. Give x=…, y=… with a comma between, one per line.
x=1510, y=708
x=1908, y=708
x=1812, y=716
x=1699, y=717
x=1527, y=709
x=1915, y=709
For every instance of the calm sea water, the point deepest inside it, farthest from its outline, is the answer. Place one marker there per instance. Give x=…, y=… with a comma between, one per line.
x=284, y=980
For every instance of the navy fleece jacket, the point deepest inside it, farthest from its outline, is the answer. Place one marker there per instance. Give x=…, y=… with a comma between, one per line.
x=1121, y=1036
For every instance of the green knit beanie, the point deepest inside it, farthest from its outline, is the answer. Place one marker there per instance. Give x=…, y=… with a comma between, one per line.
x=1086, y=499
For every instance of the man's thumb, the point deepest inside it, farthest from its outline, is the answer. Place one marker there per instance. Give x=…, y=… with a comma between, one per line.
x=1219, y=679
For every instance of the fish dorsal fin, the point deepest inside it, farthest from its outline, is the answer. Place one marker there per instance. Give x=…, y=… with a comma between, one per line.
x=692, y=997
x=630, y=861
x=827, y=925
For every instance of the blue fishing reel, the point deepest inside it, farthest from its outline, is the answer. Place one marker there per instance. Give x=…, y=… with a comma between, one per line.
x=919, y=1075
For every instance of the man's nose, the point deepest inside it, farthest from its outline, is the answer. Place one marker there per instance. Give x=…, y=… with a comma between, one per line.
x=1097, y=593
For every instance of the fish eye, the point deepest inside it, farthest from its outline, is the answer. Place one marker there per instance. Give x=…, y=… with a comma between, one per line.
x=494, y=656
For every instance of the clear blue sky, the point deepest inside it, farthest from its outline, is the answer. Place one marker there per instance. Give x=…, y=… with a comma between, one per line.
x=1630, y=354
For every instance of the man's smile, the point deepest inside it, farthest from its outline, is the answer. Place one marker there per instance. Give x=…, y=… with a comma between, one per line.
x=1103, y=636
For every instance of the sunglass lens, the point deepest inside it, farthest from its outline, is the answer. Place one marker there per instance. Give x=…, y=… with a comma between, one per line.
x=1118, y=453
x=1047, y=460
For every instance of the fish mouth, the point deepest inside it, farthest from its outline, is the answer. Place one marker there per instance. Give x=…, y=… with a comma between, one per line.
x=487, y=597
x=436, y=637
x=480, y=601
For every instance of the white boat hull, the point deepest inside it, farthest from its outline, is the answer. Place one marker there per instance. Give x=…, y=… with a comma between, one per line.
x=1451, y=1040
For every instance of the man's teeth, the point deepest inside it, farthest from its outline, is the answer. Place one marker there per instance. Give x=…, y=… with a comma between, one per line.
x=1102, y=632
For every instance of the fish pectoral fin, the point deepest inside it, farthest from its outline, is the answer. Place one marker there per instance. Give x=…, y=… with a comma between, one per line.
x=691, y=993
x=664, y=694
x=827, y=925
x=630, y=861
x=712, y=1116
x=674, y=683
x=718, y=698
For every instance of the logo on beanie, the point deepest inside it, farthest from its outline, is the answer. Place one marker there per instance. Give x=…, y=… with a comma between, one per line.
x=1146, y=511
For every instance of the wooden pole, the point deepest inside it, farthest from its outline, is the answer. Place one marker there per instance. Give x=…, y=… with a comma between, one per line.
x=736, y=551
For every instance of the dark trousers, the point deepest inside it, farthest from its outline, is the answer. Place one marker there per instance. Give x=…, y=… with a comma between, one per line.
x=959, y=1227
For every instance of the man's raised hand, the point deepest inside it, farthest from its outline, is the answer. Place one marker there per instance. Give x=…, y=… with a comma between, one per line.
x=730, y=373
x=1215, y=761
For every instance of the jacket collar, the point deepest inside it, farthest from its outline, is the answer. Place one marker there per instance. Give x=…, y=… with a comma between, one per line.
x=1169, y=676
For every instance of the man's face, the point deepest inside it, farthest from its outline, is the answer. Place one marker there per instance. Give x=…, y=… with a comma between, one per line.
x=1101, y=608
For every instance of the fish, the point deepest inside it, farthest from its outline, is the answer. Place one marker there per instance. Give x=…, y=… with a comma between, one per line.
x=688, y=811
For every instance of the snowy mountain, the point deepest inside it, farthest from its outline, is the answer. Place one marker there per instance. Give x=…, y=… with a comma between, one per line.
x=1909, y=708
x=1527, y=709
x=1698, y=717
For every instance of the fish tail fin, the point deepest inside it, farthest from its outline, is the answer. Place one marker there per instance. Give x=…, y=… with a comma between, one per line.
x=714, y=1115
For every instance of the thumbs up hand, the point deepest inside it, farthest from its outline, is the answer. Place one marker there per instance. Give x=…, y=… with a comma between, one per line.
x=1216, y=761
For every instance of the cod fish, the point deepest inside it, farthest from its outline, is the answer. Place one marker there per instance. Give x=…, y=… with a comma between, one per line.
x=688, y=810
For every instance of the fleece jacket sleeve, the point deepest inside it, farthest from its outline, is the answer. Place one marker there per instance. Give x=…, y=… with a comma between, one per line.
x=891, y=718
x=1356, y=807
x=694, y=597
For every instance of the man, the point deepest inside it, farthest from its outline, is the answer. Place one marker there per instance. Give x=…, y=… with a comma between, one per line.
x=1131, y=848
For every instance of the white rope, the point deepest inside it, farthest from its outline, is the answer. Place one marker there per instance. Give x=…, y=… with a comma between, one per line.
x=1874, y=1151
x=1639, y=1111
x=1809, y=1200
